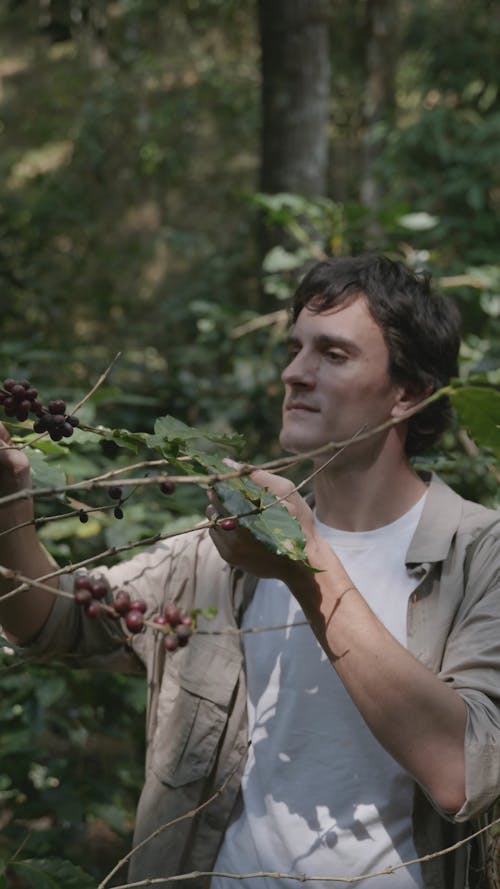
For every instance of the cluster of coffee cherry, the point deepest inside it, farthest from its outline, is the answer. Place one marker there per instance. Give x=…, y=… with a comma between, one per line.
x=19, y=399
x=89, y=593
x=175, y=624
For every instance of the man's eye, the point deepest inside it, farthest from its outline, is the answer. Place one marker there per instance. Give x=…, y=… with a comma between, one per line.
x=336, y=356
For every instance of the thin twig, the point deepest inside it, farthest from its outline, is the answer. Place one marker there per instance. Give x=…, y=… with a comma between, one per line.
x=244, y=469
x=191, y=814
x=304, y=878
x=77, y=407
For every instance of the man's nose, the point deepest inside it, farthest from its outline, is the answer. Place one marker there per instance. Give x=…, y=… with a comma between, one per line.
x=301, y=371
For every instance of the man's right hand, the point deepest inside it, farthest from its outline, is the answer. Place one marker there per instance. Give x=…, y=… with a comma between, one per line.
x=21, y=615
x=14, y=466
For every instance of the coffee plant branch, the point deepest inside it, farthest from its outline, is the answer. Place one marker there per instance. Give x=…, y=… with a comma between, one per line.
x=304, y=878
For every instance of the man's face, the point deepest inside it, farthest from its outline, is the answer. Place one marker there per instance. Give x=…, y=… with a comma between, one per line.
x=337, y=380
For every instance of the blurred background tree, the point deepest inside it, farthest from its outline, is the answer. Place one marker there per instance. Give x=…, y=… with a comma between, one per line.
x=167, y=172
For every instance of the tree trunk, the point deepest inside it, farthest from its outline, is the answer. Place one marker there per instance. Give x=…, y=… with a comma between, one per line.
x=378, y=105
x=295, y=93
x=295, y=96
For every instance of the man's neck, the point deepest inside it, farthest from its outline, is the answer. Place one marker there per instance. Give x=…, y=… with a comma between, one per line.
x=354, y=499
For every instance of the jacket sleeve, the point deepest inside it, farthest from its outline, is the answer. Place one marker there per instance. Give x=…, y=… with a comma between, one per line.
x=471, y=664
x=103, y=643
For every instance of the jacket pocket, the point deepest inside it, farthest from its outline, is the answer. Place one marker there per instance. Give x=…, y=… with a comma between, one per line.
x=193, y=710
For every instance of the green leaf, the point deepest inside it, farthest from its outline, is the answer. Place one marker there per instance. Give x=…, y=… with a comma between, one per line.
x=478, y=410
x=175, y=439
x=46, y=473
x=133, y=441
x=53, y=873
x=269, y=520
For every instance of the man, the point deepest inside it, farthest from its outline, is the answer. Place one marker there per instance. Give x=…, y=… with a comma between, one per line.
x=373, y=707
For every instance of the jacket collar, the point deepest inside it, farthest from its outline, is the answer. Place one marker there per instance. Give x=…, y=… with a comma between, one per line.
x=438, y=523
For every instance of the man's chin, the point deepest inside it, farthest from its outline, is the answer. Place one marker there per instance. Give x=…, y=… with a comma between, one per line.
x=295, y=444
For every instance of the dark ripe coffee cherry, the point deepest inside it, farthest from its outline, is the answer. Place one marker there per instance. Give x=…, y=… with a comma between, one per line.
x=170, y=643
x=56, y=434
x=22, y=413
x=31, y=393
x=99, y=590
x=40, y=425
x=228, y=524
x=82, y=582
x=9, y=407
x=67, y=430
x=83, y=596
x=173, y=614
x=134, y=621
x=82, y=515
x=57, y=419
x=122, y=602
x=187, y=620
x=183, y=634
x=73, y=421
x=118, y=512
x=93, y=609
x=18, y=391
x=167, y=486
x=139, y=605
x=9, y=383
x=57, y=406
x=37, y=407
x=115, y=492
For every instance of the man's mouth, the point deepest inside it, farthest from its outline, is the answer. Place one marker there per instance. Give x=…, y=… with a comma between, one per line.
x=300, y=406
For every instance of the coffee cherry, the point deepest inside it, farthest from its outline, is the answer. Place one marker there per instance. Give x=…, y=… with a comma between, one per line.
x=115, y=492
x=138, y=605
x=82, y=515
x=99, y=590
x=228, y=524
x=173, y=614
x=83, y=596
x=118, y=512
x=170, y=643
x=167, y=486
x=122, y=602
x=134, y=621
x=93, y=609
x=57, y=406
x=82, y=582
x=160, y=619
x=183, y=634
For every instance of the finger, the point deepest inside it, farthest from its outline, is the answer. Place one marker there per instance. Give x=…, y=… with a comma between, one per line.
x=5, y=439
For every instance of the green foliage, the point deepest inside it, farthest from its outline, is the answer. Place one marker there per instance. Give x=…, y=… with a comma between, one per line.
x=479, y=413
x=127, y=219
x=51, y=874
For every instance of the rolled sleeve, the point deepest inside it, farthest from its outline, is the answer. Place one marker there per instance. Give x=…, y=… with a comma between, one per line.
x=471, y=664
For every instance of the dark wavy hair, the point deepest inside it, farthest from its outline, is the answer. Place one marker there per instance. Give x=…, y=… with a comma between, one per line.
x=420, y=326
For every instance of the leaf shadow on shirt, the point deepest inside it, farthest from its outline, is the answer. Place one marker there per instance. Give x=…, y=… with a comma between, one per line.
x=295, y=772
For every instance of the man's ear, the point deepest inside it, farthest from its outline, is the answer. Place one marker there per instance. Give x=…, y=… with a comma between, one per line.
x=407, y=398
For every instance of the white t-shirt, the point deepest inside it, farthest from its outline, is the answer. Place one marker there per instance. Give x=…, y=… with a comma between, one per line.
x=320, y=795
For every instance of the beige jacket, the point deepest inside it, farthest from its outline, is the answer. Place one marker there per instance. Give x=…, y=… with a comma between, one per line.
x=196, y=719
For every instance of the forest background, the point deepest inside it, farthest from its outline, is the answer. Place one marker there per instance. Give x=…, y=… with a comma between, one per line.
x=168, y=169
